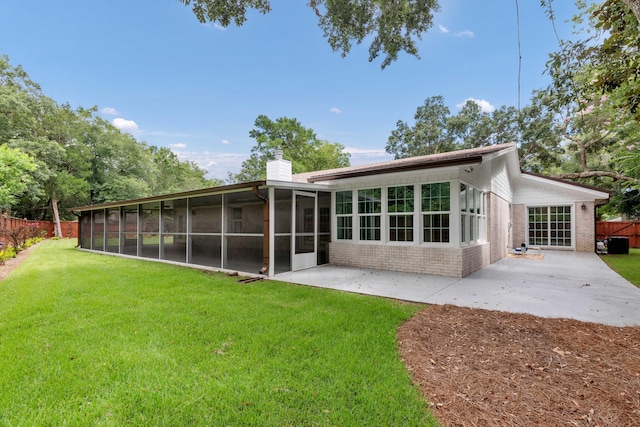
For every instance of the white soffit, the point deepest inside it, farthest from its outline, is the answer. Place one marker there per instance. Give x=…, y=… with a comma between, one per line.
x=588, y=193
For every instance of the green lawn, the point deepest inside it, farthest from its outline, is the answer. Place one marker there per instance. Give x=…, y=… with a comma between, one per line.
x=87, y=339
x=628, y=266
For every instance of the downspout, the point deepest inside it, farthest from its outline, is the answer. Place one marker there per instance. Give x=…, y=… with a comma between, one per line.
x=595, y=228
x=265, y=229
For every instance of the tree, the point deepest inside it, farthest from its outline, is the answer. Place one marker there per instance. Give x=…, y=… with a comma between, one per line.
x=595, y=92
x=435, y=130
x=606, y=62
x=393, y=26
x=429, y=135
x=15, y=167
x=634, y=6
x=173, y=175
x=300, y=145
x=80, y=158
x=472, y=127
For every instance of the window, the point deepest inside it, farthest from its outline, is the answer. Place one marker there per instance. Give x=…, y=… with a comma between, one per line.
x=369, y=209
x=436, y=207
x=550, y=226
x=344, y=215
x=237, y=220
x=473, y=215
x=464, y=215
x=481, y=213
x=400, y=209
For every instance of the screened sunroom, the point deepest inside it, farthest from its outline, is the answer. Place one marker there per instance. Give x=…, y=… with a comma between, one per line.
x=252, y=227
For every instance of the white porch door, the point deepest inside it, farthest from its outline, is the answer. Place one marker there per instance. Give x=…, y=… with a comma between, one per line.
x=304, y=231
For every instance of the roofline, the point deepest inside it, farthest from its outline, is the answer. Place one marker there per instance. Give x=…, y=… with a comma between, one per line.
x=600, y=199
x=170, y=196
x=444, y=159
x=574, y=184
x=396, y=168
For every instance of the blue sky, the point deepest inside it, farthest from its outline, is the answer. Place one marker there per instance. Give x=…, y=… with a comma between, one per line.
x=154, y=71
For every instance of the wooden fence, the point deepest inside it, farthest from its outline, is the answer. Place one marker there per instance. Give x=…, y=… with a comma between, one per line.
x=69, y=228
x=630, y=229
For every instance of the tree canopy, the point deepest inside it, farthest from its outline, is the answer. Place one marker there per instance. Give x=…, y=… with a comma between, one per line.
x=300, y=145
x=392, y=26
x=585, y=126
x=15, y=169
x=595, y=92
x=53, y=157
x=436, y=130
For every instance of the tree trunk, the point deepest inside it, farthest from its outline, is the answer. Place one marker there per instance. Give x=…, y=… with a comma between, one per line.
x=634, y=5
x=57, y=230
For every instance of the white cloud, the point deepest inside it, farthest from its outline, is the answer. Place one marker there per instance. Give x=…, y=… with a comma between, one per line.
x=465, y=33
x=215, y=25
x=218, y=165
x=110, y=111
x=178, y=145
x=225, y=142
x=485, y=106
x=336, y=110
x=363, y=156
x=443, y=29
x=125, y=125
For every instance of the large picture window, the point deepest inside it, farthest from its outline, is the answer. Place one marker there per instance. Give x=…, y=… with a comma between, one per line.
x=400, y=209
x=344, y=215
x=550, y=226
x=436, y=211
x=369, y=210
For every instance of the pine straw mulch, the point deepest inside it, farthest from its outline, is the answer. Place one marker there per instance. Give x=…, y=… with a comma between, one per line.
x=489, y=368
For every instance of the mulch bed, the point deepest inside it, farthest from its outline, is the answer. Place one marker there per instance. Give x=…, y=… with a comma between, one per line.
x=11, y=264
x=488, y=368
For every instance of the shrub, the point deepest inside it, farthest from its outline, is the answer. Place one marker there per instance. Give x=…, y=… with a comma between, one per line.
x=19, y=236
x=6, y=254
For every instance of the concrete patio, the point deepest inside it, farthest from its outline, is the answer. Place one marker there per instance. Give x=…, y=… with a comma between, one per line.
x=564, y=284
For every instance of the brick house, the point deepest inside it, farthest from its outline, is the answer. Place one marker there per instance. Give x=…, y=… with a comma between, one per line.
x=447, y=214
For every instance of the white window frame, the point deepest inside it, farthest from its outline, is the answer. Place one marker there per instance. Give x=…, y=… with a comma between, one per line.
x=343, y=215
x=371, y=215
x=404, y=214
x=572, y=227
x=424, y=213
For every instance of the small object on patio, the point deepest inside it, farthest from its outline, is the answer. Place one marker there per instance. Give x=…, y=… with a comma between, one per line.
x=522, y=249
x=601, y=246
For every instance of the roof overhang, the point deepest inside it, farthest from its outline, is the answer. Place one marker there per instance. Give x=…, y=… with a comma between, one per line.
x=599, y=195
x=392, y=168
x=194, y=193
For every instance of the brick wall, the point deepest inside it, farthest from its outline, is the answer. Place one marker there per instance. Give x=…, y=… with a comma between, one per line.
x=519, y=225
x=585, y=227
x=413, y=259
x=498, y=224
x=475, y=257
